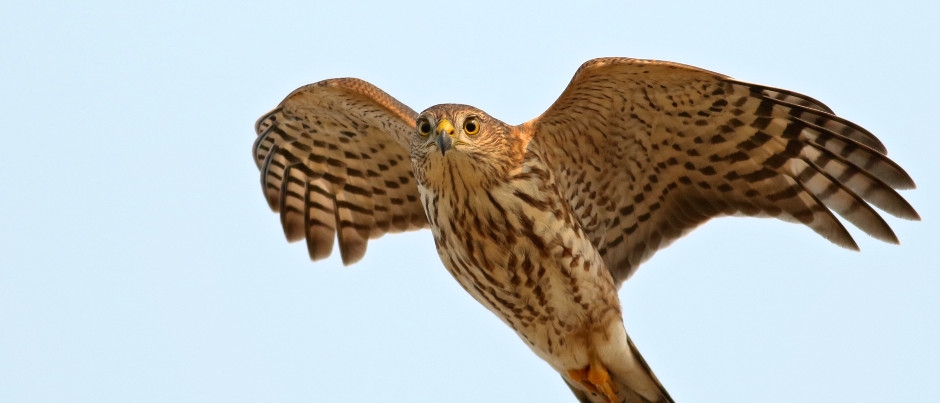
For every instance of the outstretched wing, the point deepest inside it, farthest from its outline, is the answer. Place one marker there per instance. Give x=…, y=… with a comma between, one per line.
x=334, y=162
x=644, y=151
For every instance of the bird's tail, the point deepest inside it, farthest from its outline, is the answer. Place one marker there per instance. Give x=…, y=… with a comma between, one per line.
x=639, y=385
x=661, y=391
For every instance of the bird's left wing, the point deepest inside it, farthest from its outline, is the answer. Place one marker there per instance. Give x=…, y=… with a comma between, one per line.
x=644, y=151
x=334, y=162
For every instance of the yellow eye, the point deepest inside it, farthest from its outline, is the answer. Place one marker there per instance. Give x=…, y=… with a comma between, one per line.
x=471, y=126
x=424, y=127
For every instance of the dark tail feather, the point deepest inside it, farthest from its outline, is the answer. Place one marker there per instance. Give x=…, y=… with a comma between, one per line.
x=662, y=390
x=582, y=397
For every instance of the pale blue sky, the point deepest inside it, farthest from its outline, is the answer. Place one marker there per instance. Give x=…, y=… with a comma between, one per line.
x=139, y=260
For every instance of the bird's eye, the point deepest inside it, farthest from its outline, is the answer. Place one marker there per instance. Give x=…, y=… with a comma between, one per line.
x=471, y=126
x=424, y=127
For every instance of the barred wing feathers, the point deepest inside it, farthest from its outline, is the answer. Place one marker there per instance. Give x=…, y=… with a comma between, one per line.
x=334, y=163
x=647, y=150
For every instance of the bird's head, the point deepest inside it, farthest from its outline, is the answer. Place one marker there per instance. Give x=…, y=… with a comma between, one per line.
x=465, y=142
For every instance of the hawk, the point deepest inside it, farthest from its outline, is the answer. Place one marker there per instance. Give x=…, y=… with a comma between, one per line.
x=543, y=222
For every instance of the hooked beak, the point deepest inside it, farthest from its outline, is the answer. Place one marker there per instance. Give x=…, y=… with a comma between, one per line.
x=445, y=135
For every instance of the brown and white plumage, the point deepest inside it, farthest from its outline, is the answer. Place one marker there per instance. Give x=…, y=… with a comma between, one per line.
x=542, y=222
x=335, y=165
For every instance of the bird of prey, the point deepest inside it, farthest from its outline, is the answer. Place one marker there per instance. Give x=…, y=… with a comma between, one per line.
x=543, y=222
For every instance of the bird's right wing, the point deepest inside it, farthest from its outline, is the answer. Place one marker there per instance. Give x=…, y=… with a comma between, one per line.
x=334, y=163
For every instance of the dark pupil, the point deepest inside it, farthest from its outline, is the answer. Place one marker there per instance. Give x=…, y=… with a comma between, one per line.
x=425, y=127
x=471, y=127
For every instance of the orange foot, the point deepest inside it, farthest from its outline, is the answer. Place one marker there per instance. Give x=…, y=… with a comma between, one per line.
x=596, y=379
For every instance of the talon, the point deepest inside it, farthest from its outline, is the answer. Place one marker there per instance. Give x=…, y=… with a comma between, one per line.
x=595, y=378
x=599, y=376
